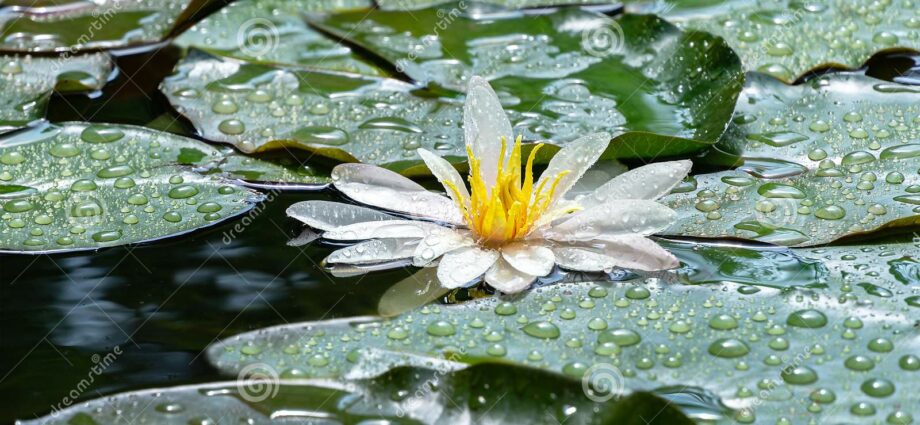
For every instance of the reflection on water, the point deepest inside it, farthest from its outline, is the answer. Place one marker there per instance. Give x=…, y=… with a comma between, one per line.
x=161, y=304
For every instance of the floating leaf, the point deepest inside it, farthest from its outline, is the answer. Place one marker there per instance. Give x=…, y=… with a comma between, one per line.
x=788, y=38
x=27, y=82
x=344, y=117
x=663, y=91
x=481, y=394
x=273, y=31
x=834, y=157
x=83, y=186
x=511, y=4
x=828, y=355
x=100, y=24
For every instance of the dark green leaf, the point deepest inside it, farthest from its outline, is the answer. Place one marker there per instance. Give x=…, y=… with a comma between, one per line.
x=273, y=31
x=834, y=157
x=789, y=38
x=487, y=393
x=662, y=91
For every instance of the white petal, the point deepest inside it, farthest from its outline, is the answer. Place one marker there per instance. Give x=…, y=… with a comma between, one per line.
x=599, y=174
x=439, y=241
x=628, y=251
x=484, y=124
x=386, y=189
x=576, y=158
x=464, y=265
x=582, y=260
x=612, y=219
x=648, y=182
x=374, y=251
x=325, y=215
x=381, y=229
x=446, y=173
x=529, y=258
x=505, y=278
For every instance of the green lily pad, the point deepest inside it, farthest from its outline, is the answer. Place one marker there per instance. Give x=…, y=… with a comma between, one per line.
x=511, y=4
x=407, y=395
x=27, y=83
x=83, y=186
x=101, y=24
x=824, y=355
x=661, y=90
x=273, y=170
x=834, y=157
x=789, y=38
x=273, y=31
x=341, y=116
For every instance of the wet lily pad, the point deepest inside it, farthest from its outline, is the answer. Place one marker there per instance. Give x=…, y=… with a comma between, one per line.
x=788, y=38
x=27, y=83
x=833, y=157
x=341, y=116
x=100, y=24
x=407, y=395
x=511, y=4
x=273, y=31
x=83, y=186
x=662, y=91
x=829, y=355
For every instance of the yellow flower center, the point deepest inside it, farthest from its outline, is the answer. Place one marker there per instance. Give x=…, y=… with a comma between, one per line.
x=508, y=210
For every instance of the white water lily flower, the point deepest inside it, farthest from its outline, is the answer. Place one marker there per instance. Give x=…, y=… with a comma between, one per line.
x=506, y=227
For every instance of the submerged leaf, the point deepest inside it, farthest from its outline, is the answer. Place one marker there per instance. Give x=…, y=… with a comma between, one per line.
x=831, y=355
x=82, y=186
x=789, y=38
x=823, y=160
x=27, y=83
x=423, y=395
x=273, y=31
x=662, y=91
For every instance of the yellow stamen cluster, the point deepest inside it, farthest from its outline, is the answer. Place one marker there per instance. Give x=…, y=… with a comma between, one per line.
x=508, y=210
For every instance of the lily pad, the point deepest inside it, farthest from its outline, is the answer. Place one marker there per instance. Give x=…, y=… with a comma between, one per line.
x=511, y=4
x=27, y=83
x=823, y=355
x=482, y=394
x=661, y=90
x=100, y=24
x=834, y=157
x=84, y=186
x=789, y=38
x=341, y=116
x=273, y=31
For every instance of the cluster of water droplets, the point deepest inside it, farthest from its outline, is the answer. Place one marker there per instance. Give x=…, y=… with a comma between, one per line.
x=838, y=164
x=97, y=24
x=88, y=185
x=259, y=107
x=786, y=38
